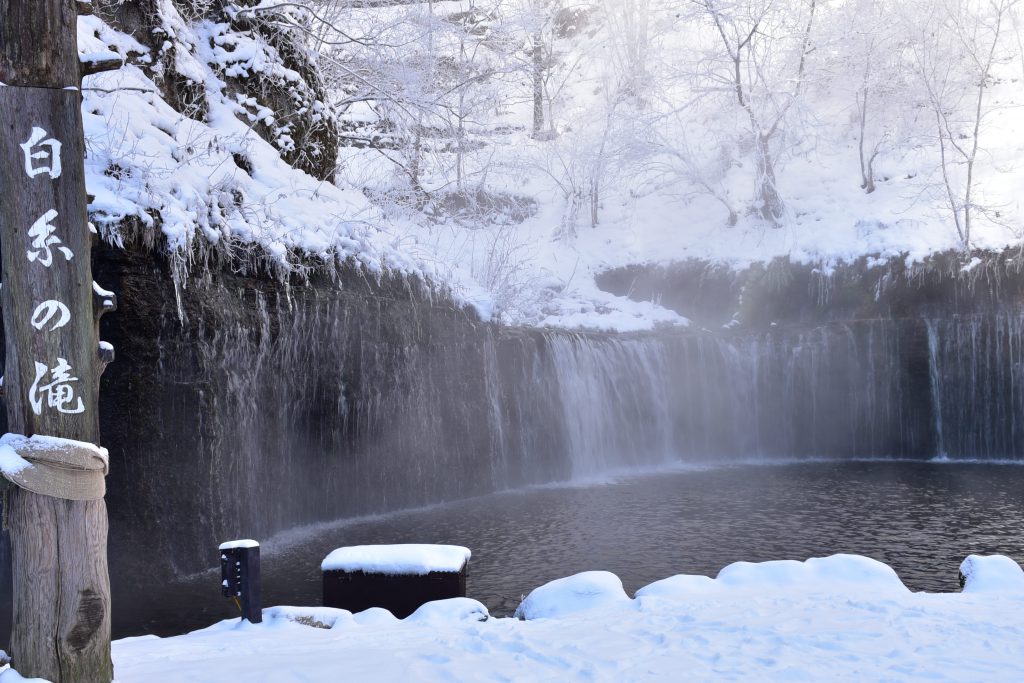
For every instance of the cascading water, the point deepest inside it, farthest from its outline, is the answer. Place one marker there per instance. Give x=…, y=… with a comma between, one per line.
x=935, y=384
x=613, y=399
x=978, y=385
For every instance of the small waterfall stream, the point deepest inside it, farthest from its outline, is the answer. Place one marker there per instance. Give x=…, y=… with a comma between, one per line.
x=614, y=402
x=935, y=383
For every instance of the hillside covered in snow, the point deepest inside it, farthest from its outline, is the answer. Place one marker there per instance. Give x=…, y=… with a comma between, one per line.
x=507, y=151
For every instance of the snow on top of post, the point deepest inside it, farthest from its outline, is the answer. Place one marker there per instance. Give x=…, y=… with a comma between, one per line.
x=241, y=543
x=408, y=558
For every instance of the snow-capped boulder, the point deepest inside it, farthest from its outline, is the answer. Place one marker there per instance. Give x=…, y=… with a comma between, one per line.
x=572, y=594
x=680, y=586
x=449, y=611
x=991, y=574
x=374, y=616
x=317, y=617
x=837, y=574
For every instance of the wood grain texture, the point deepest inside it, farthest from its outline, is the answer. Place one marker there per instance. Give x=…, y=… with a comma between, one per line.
x=35, y=49
x=34, y=570
x=61, y=588
x=61, y=629
x=28, y=283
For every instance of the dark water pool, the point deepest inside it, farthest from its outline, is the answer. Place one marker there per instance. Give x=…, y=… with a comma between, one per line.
x=921, y=518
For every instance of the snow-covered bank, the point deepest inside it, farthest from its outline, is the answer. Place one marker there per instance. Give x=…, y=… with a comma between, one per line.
x=838, y=618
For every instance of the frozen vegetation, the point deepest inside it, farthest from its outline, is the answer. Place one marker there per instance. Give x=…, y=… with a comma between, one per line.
x=843, y=617
x=508, y=150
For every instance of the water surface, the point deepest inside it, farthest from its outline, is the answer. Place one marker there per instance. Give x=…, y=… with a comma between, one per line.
x=922, y=518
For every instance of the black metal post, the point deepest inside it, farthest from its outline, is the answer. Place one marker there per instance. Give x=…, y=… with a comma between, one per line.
x=240, y=577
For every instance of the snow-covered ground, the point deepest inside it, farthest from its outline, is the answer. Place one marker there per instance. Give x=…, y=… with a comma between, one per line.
x=839, y=618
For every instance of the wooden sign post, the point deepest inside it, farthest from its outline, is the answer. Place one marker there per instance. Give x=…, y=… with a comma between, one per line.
x=51, y=310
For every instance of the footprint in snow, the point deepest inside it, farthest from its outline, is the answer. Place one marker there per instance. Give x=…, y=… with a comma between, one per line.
x=436, y=659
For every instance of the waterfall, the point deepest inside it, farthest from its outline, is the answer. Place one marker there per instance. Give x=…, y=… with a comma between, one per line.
x=270, y=407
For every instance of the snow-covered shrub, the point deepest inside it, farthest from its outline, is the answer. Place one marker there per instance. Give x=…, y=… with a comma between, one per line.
x=374, y=616
x=573, y=594
x=837, y=574
x=680, y=586
x=448, y=611
x=991, y=574
x=315, y=617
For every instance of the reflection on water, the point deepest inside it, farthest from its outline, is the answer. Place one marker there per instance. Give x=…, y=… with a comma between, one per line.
x=920, y=518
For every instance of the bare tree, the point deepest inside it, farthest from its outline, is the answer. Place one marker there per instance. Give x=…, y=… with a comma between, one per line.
x=628, y=26
x=763, y=55
x=538, y=20
x=870, y=44
x=960, y=43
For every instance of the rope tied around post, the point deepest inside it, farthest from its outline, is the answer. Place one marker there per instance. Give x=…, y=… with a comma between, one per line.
x=49, y=466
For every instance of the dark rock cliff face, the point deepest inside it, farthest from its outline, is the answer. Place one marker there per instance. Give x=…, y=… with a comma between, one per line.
x=791, y=294
x=258, y=405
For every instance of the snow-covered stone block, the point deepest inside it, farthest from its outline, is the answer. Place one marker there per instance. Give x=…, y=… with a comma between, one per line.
x=573, y=594
x=399, y=578
x=991, y=574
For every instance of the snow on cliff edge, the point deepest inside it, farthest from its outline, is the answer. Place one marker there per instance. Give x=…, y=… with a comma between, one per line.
x=210, y=176
x=206, y=177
